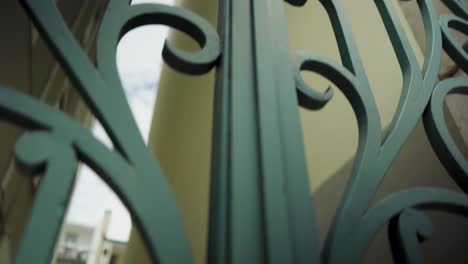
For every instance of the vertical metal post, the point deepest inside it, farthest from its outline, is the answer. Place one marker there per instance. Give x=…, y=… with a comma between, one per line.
x=261, y=208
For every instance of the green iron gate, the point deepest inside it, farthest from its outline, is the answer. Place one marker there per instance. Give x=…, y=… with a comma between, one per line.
x=261, y=207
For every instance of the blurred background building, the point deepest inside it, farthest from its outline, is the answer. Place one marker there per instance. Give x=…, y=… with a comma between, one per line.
x=81, y=244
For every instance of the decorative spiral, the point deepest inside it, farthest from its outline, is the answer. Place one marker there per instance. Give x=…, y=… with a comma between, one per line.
x=121, y=17
x=406, y=231
x=391, y=207
x=308, y=97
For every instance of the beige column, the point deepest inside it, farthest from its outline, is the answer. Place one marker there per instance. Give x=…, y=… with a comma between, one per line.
x=180, y=138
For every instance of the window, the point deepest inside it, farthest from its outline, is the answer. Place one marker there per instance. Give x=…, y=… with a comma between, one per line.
x=71, y=238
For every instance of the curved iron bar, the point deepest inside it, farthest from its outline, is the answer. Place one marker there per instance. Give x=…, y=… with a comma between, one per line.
x=121, y=18
x=458, y=7
x=396, y=204
x=406, y=230
x=355, y=200
x=134, y=190
x=308, y=97
x=373, y=157
x=417, y=90
x=137, y=176
x=456, y=51
x=439, y=135
x=34, y=152
x=338, y=75
x=368, y=123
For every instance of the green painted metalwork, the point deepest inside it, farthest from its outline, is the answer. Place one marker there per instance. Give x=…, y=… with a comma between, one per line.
x=131, y=170
x=260, y=208
x=261, y=205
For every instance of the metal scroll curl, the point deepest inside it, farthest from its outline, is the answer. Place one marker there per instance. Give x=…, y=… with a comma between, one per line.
x=397, y=206
x=57, y=142
x=406, y=231
x=53, y=149
x=308, y=97
x=120, y=18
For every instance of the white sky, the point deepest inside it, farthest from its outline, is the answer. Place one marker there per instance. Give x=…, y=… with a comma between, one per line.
x=139, y=61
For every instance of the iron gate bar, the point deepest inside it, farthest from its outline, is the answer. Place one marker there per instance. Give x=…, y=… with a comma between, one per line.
x=267, y=211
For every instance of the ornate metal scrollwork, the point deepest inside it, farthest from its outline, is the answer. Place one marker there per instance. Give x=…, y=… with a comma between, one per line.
x=256, y=148
x=58, y=142
x=355, y=224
